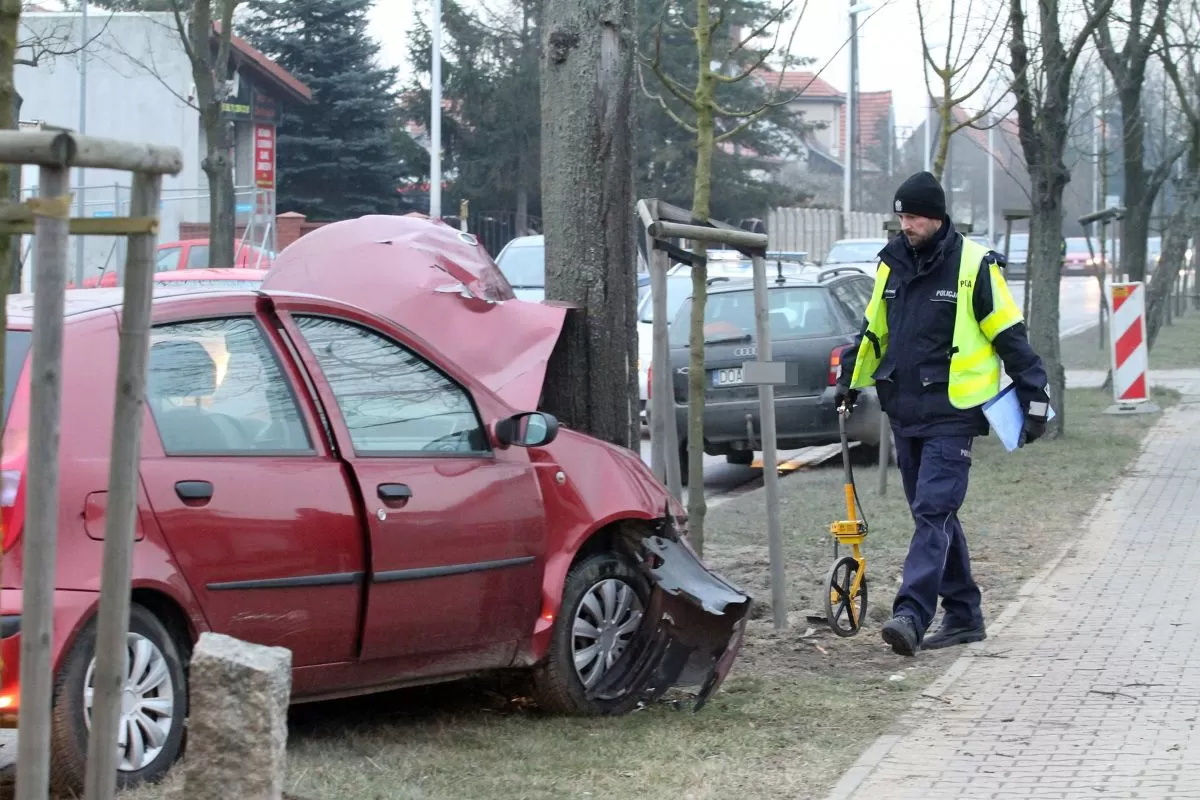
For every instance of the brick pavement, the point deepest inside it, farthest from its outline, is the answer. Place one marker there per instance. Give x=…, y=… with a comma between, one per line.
x=1089, y=684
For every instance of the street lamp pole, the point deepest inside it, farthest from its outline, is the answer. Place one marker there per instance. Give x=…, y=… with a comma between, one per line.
x=435, y=116
x=79, y=191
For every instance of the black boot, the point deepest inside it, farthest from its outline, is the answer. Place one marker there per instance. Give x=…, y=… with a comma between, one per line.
x=952, y=633
x=901, y=633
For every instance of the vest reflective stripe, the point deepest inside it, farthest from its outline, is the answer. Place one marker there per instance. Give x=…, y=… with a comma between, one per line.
x=974, y=365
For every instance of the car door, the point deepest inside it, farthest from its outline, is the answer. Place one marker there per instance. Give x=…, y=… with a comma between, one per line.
x=257, y=511
x=457, y=528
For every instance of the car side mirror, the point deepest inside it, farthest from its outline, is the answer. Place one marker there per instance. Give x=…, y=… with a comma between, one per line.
x=527, y=429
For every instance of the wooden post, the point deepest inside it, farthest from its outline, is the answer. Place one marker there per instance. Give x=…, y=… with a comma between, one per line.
x=39, y=549
x=113, y=622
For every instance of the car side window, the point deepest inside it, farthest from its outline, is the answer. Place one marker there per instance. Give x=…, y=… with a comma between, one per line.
x=865, y=288
x=215, y=387
x=167, y=259
x=393, y=401
x=850, y=301
x=197, y=256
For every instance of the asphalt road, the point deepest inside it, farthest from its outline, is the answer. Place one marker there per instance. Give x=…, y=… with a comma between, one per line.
x=1079, y=309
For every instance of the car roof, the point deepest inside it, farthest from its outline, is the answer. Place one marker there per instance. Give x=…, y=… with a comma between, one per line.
x=870, y=240
x=79, y=304
x=817, y=278
x=527, y=241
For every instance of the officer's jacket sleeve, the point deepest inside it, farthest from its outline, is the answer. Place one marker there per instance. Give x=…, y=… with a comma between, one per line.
x=1021, y=363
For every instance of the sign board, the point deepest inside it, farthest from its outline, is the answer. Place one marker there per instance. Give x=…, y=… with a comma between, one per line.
x=264, y=156
x=1131, y=381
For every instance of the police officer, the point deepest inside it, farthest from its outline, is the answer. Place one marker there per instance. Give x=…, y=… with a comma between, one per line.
x=940, y=323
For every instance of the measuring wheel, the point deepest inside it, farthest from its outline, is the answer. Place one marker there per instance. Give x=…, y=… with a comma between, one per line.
x=845, y=612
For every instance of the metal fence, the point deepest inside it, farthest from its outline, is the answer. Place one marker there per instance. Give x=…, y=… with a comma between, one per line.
x=814, y=230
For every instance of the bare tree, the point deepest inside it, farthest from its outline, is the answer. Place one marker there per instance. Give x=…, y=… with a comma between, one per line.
x=1128, y=69
x=53, y=40
x=587, y=93
x=706, y=117
x=959, y=74
x=10, y=19
x=1042, y=70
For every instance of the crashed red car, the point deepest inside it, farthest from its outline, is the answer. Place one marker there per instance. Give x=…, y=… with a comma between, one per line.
x=372, y=489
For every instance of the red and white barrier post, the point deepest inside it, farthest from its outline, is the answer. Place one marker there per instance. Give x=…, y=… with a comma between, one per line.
x=1130, y=355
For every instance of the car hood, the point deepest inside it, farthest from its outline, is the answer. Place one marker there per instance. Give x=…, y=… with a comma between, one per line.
x=437, y=282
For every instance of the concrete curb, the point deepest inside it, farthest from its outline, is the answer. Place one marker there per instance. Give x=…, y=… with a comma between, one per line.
x=862, y=768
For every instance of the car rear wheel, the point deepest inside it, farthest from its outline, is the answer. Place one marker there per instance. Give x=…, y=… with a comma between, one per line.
x=153, y=706
x=603, y=601
x=742, y=458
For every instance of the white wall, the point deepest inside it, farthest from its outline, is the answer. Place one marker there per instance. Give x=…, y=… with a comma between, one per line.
x=137, y=73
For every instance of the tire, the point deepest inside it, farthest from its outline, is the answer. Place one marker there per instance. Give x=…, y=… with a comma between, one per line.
x=838, y=612
x=683, y=463
x=559, y=687
x=69, y=723
x=742, y=458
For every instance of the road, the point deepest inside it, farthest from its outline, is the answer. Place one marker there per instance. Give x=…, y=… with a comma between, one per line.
x=1079, y=309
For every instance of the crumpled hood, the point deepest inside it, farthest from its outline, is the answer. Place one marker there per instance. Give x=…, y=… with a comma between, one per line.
x=437, y=282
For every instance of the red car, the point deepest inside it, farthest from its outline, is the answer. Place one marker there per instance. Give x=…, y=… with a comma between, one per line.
x=190, y=254
x=318, y=476
x=211, y=279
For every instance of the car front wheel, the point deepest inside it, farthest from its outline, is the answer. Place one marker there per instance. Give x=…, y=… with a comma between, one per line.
x=603, y=602
x=153, y=706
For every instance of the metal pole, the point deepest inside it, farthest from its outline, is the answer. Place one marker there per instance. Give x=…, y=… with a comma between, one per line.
x=848, y=155
x=41, y=505
x=113, y=619
x=928, y=125
x=662, y=390
x=991, y=226
x=435, y=116
x=79, y=189
x=766, y=411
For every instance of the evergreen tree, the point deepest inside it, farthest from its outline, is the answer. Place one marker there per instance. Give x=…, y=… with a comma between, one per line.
x=338, y=156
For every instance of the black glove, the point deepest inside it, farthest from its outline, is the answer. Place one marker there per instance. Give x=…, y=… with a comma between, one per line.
x=1035, y=423
x=845, y=396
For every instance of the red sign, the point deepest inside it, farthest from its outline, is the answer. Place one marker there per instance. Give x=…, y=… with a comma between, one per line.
x=264, y=156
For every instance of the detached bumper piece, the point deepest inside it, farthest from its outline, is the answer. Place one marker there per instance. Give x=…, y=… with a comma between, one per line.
x=691, y=631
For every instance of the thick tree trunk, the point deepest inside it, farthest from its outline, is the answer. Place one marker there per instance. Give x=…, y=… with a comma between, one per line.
x=1045, y=270
x=10, y=14
x=587, y=212
x=1166, y=273
x=219, y=170
x=1137, y=200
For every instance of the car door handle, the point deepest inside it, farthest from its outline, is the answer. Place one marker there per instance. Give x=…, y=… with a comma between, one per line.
x=394, y=493
x=194, y=490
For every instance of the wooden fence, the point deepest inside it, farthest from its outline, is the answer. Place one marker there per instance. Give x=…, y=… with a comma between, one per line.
x=814, y=230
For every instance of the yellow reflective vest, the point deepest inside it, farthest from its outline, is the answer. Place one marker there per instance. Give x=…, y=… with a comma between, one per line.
x=974, y=365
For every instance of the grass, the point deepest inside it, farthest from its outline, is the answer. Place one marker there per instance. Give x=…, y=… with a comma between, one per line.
x=799, y=707
x=1175, y=347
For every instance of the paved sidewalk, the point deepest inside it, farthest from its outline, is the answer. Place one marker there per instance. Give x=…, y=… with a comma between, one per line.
x=1089, y=685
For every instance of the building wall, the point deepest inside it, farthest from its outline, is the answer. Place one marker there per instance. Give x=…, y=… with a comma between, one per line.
x=816, y=114
x=132, y=61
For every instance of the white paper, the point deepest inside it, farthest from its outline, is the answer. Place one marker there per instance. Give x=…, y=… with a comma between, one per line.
x=1006, y=417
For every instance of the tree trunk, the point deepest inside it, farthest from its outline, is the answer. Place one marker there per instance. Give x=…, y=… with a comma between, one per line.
x=701, y=208
x=1045, y=270
x=1166, y=273
x=218, y=168
x=1137, y=200
x=10, y=14
x=587, y=93
x=943, y=142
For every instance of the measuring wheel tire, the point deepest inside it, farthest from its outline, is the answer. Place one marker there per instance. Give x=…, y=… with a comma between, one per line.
x=154, y=706
x=839, y=604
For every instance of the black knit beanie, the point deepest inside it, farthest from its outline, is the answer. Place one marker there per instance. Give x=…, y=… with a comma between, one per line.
x=922, y=195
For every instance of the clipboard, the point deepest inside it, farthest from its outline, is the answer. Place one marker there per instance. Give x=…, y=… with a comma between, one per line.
x=1006, y=418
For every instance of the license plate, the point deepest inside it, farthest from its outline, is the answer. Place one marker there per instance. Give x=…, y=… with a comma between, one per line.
x=727, y=377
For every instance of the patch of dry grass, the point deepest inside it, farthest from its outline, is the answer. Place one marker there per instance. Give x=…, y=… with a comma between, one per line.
x=798, y=709
x=1175, y=347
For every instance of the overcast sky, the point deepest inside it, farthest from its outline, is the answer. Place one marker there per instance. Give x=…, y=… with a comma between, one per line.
x=889, y=46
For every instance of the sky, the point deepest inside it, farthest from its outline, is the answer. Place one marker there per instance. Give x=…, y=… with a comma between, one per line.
x=889, y=46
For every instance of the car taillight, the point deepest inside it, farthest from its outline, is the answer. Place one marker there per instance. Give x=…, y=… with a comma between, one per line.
x=835, y=365
x=11, y=507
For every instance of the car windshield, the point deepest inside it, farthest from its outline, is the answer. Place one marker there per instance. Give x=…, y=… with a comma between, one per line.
x=854, y=252
x=795, y=312
x=1020, y=243
x=525, y=267
x=1077, y=245
x=679, y=289
x=16, y=347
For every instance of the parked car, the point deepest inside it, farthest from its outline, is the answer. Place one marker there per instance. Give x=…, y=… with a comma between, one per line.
x=196, y=280
x=1018, y=254
x=523, y=262
x=679, y=289
x=189, y=254
x=316, y=476
x=861, y=253
x=813, y=317
x=1079, y=258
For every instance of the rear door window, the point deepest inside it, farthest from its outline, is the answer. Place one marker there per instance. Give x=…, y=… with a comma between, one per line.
x=16, y=349
x=794, y=312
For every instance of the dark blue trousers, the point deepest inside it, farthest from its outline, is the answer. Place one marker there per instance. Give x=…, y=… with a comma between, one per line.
x=934, y=471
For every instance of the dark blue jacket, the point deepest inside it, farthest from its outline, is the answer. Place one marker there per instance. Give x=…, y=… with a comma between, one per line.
x=913, y=379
